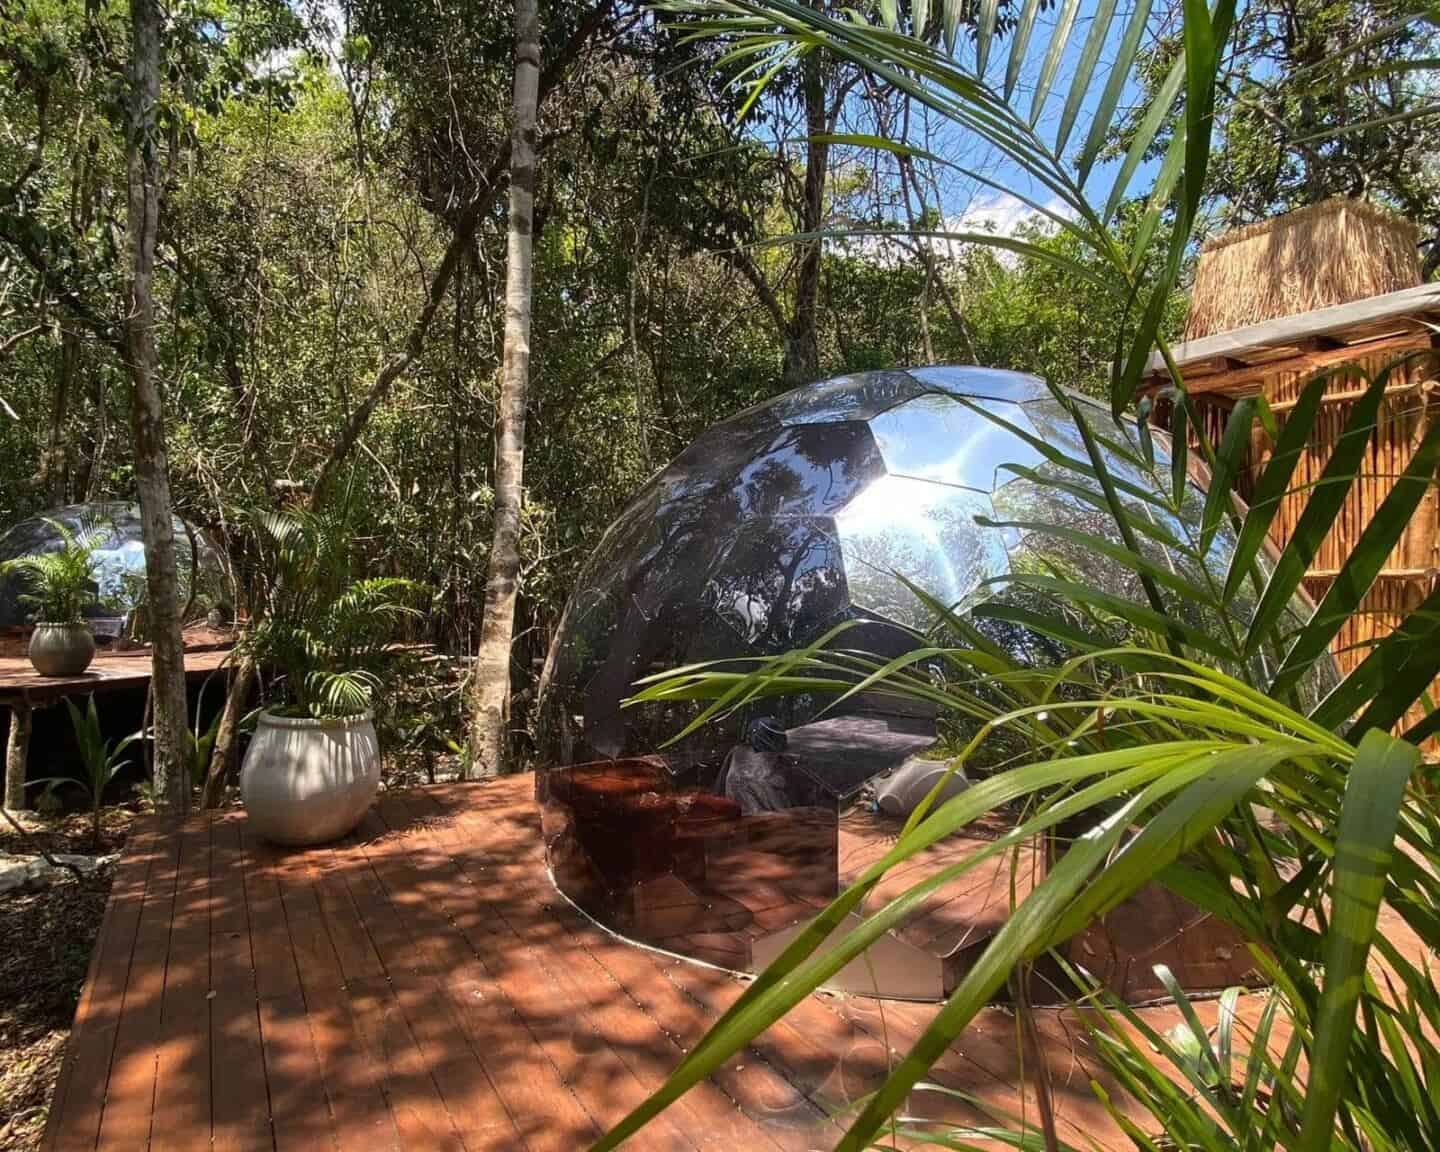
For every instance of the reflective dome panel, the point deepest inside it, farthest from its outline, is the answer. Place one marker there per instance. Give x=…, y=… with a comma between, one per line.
x=120, y=559
x=924, y=532
x=934, y=438
x=772, y=530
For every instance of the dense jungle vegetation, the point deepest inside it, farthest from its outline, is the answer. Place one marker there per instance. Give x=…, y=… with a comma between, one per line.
x=330, y=255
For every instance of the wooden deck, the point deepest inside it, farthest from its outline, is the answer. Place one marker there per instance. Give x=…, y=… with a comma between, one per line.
x=422, y=986
x=20, y=681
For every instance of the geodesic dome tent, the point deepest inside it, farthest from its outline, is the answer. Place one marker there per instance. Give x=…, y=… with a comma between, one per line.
x=781, y=522
x=120, y=559
x=769, y=530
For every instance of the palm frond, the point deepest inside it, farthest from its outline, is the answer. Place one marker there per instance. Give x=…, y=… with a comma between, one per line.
x=939, y=75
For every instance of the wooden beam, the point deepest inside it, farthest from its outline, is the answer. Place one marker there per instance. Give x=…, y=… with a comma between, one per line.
x=1319, y=343
x=1250, y=379
x=1405, y=306
x=17, y=749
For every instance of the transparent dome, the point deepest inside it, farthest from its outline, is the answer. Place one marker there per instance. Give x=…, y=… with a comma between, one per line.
x=769, y=530
x=120, y=582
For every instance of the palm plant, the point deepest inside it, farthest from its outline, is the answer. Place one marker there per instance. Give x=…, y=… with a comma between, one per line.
x=328, y=632
x=1165, y=742
x=100, y=762
x=61, y=584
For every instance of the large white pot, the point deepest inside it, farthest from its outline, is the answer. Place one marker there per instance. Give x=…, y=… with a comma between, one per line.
x=309, y=781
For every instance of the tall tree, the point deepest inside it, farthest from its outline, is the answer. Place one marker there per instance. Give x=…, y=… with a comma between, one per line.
x=492, y=662
x=1320, y=98
x=152, y=474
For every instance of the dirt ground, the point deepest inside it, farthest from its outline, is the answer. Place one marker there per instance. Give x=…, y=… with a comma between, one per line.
x=47, y=935
x=70, y=832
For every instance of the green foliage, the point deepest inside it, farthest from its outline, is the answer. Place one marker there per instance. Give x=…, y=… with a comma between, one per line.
x=100, y=762
x=61, y=584
x=1321, y=98
x=958, y=91
x=1035, y=315
x=325, y=631
x=1165, y=743
x=199, y=747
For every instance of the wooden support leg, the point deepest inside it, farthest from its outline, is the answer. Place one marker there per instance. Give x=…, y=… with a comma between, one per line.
x=16, y=749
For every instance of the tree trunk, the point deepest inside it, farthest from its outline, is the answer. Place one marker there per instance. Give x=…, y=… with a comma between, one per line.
x=152, y=477
x=54, y=464
x=222, y=754
x=460, y=241
x=16, y=748
x=802, y=342
x=488, y=740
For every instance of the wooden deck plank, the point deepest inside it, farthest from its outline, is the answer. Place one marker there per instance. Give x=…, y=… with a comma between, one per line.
x=182, y=1074
x=509, y=861
x=765, y=1095
x=472, y=1013
x=429, y=1096
x=240, y=1105
x=407, y=1087
x=354, y=1088
x=130, y=1097
x=74, y=1121
x=422, y=985
x=299, y=1110
x=130, y=669
x=599, y=1053
x=383, y=1040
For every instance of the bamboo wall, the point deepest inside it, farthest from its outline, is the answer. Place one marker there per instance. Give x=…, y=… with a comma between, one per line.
x=1413, y=568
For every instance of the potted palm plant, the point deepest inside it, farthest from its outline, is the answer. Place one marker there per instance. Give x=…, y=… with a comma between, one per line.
x=313, y=765
x=61, y=585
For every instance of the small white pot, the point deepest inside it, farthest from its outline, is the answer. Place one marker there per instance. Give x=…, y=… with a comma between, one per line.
x=309, y=781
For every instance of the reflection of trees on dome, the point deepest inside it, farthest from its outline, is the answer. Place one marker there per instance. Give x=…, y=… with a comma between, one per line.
x=780, y=580
x=120, y=558
x=927, y=533
x=793, y=516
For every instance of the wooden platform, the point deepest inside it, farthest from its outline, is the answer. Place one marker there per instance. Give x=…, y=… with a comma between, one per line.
x=20, y=681
x=422, y=986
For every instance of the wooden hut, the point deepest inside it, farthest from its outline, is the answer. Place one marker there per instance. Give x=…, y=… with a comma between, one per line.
x=1352, y=295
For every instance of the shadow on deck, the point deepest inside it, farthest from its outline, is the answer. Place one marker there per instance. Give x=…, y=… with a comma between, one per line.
x=421, y=985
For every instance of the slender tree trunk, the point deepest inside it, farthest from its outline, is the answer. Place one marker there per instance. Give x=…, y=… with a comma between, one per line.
x=17, y=746
x=802, y=341
x=488, y=740
x=223, y=753
x=54, y=465
x=461, y=239
x=152, y=476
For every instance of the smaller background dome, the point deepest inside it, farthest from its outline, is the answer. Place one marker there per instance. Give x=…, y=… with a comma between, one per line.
x=120, y=560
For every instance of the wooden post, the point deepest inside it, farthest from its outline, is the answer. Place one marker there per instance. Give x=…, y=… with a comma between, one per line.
x=16, y=748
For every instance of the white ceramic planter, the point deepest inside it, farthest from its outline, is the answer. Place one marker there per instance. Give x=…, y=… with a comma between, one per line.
x=309, y=781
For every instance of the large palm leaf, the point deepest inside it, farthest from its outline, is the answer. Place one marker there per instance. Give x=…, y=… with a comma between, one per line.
x=1164, y=756
x=920, y=54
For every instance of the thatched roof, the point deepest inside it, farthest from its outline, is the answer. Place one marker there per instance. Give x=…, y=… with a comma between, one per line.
x=1330, y=253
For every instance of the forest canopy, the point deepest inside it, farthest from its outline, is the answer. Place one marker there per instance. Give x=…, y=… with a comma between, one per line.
x=330, y=257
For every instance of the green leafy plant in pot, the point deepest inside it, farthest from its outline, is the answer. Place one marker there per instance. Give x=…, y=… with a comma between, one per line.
x=61, y=585
x=313, y=766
